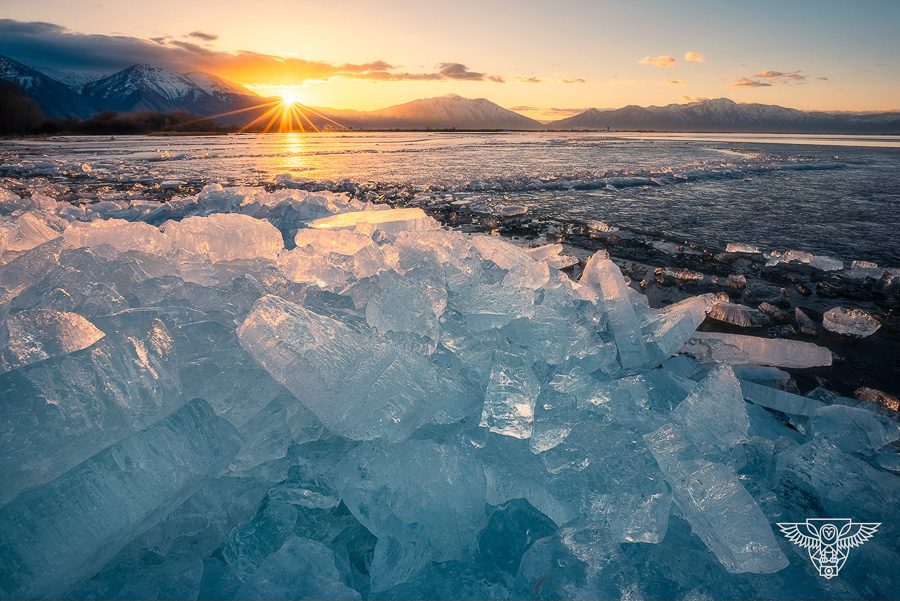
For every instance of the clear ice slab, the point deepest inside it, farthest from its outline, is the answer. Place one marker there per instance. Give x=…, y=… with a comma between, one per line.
x=358, y=384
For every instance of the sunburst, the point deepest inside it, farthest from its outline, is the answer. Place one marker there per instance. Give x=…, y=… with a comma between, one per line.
x=283, y=114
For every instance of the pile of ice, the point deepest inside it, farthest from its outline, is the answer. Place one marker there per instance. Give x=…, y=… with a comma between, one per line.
x=288, y=395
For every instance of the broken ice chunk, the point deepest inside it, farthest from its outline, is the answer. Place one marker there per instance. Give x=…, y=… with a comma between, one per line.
x=820, y=262
x=361, y=386
x=119, y=234
x=60, y=411
x=67, y=529
x=300, y=569
x=418, y=490
x=854, y=430
x=510, y=396
x=411, y=302
x=673, y=325
x=389, y=221
x=37, y=335
x=488, y=306
x=552, y=255
x=720, y=510
x=840, y=483
x=522, y=270
x=850, y=322
x=736, y=349
x=740, y=247
x=765, y=375
x=713, y=415
x=605, y=275
x=772, y=398
x=225, y=237
x=738, y=315
x=23, y=233
x=601, y=226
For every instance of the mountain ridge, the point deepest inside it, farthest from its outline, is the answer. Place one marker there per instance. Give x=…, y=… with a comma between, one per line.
x=152, y=88
x=723, y=114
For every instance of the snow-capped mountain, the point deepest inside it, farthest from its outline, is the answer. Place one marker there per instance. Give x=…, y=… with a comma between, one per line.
x=146, y=87
x=53, y=97
x=722, y=114
x=443, y=112
x=74, y=79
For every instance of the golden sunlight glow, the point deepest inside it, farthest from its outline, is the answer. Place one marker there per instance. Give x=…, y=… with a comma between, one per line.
x=289, y=96
x=281, y=111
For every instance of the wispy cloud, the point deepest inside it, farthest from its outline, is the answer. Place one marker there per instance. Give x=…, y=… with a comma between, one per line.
x=782, y=76
x=675, y=82
x=49, y=45
x=691, y=99
x=202, y=35
x=445, y=72
x=769, y=78
x=694, y=57
x=662, y=61
x=532, y=79
x=746, y=82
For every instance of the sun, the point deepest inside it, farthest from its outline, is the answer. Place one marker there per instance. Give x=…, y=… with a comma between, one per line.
x=281, y=109
x=289, y=96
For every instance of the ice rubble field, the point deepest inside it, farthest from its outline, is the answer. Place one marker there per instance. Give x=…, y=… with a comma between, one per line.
x=382, y=408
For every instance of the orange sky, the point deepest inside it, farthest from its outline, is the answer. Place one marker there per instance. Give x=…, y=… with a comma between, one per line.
x=545, y=61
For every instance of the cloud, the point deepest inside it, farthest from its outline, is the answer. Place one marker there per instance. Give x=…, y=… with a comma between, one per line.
x=658, y=61
x=381, y=71
x=692, y=99
x=675, y=82
x=694, y=57
x=746, y=82
x=47, y=45
x=781, y=76
x=769, y=78
x=540, y=80
x=822, y=78
x=461, y=72
x=202, y=35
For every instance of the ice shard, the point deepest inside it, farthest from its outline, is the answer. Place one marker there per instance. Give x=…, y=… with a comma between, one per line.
x=358, y=384
x=300, y=569
x=412, y=492
x=713, y=414
x=65, y=530
x=605, y=275
x=736, y=349
x=510, y=396
x=720, y=510
x=32, y=336
x=780, y=400
x=673, y=325
x=850, y=322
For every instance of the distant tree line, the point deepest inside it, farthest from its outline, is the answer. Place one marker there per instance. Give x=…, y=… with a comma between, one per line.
x=20, y=115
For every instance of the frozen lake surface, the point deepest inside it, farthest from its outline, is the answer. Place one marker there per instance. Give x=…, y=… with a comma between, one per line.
x=832, y=195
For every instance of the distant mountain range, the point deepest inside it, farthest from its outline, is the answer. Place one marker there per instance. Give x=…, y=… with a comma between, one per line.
x=146, y=87
x=444, y=112
x=724, y=115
